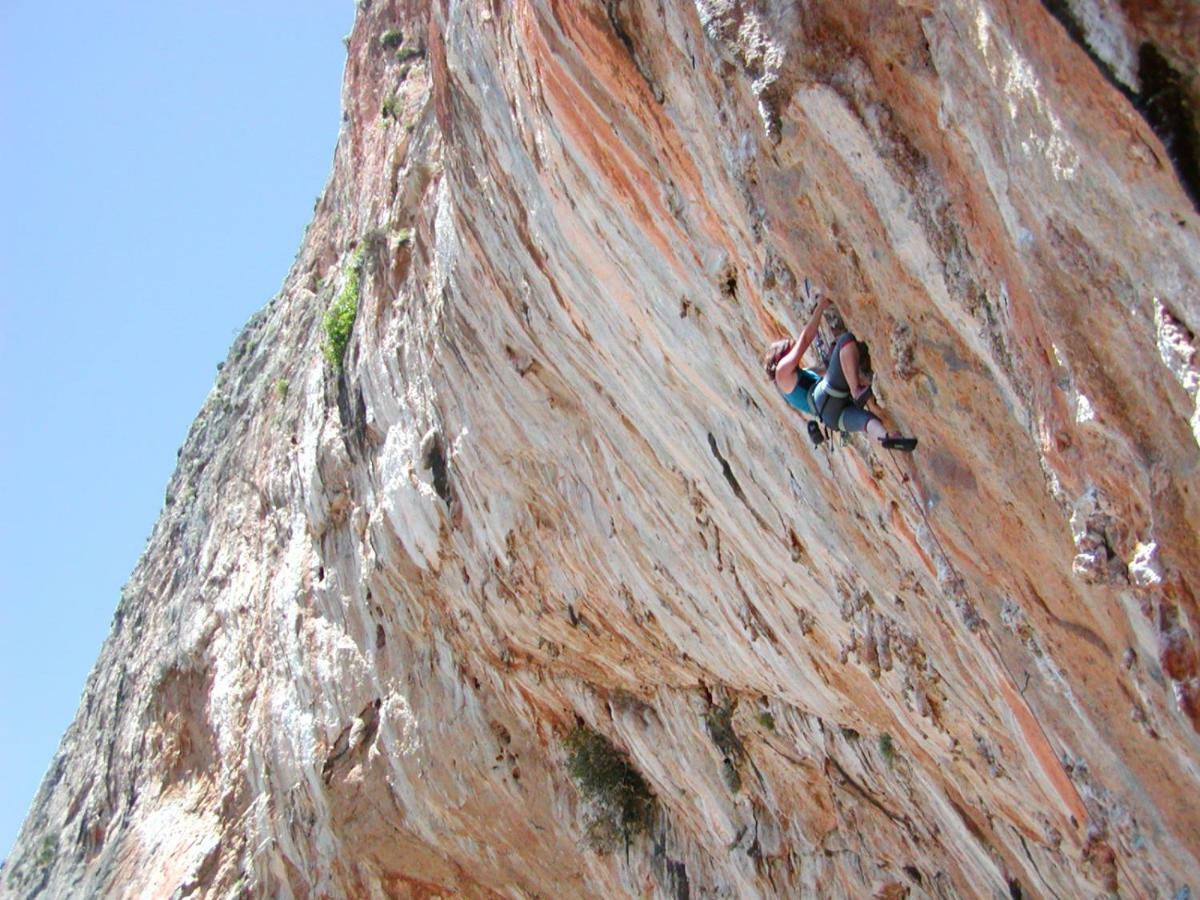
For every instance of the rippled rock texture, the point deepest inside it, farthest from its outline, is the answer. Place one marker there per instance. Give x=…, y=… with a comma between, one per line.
x=549, y=492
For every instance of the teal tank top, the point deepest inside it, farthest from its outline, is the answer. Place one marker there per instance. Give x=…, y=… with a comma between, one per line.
x=806, y=380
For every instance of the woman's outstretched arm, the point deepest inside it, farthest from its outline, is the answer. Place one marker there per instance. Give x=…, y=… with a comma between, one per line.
x=791, y=359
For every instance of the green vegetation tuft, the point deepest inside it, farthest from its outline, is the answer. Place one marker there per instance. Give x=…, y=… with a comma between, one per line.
x=281, y=388
x=406, y=54
x=766, y=720
x=391, y=38
x=719, y=722
x=375, y=239
x=392, y=108
x=28, y=874
x=886, y=749
x=47, y=851
x=622, y=805
x=339, y=318
x=730, y=775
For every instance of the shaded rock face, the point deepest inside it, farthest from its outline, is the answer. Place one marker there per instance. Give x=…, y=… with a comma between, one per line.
x=550, y=488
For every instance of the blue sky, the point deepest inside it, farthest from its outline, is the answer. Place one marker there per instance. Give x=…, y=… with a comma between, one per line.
x=160, y=161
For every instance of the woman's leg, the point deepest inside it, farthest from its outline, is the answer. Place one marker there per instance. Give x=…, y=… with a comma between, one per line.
x=854, y=418
x=844, y=374
x=849, y=358
x=834, y=376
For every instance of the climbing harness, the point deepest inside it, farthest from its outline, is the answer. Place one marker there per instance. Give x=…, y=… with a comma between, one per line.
x=818, y=431
x=819, y=395
x=826, y=390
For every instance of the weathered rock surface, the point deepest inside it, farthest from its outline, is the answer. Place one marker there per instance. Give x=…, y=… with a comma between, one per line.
x=550, y=483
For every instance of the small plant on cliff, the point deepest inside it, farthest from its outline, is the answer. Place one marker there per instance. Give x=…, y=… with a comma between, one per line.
x=29, y=874
x=47, y=851
x=622, y=805
x=407, y=54
x=339, y=318
x=886, y=749
x=393, y=108
x=719, y=722
x=391, y=38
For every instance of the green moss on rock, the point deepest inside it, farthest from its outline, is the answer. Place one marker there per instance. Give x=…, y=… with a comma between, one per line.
x=339, y=318
x=622, y=805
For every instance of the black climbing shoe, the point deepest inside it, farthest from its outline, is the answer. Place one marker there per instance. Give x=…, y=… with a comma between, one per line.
x=896, y=442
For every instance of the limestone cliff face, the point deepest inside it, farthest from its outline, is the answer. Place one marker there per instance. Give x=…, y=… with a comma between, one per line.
x=550, y=485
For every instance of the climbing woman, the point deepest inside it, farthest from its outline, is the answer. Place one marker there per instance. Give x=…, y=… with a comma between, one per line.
x=838, y=398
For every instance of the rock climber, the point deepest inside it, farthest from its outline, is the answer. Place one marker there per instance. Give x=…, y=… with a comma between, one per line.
x=838, y=398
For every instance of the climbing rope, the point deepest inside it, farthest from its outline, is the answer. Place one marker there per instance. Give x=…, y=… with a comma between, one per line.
x=994, y=647
x=905, y=481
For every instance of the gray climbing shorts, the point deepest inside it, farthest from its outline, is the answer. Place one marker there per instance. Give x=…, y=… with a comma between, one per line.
x=831, y=396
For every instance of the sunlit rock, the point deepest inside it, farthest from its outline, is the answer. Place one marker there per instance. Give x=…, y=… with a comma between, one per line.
x=546, y=490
